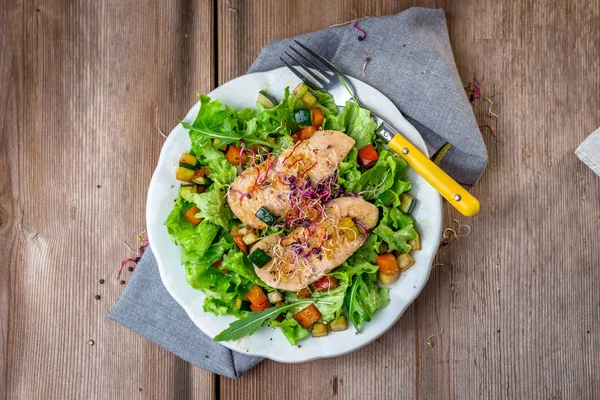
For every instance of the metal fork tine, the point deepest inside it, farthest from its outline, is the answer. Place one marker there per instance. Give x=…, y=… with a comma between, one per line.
x=311, y=63
x=307, y=69
x=318, y=57
x=299, y=75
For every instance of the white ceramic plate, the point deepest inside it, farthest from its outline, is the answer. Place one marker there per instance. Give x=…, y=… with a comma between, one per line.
x=241, y=93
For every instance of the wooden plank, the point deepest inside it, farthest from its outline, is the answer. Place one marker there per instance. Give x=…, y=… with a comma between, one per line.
x=84, y=87
x=516, y=299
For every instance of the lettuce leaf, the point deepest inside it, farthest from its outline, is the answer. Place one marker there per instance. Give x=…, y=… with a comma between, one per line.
x=212, y=205
x=220, y=170
x=388, y=173
x=356, y=122
x=325, y=102
x=291, y=329
x=396, y=240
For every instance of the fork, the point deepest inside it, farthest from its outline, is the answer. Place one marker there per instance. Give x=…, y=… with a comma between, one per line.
x=319, y=74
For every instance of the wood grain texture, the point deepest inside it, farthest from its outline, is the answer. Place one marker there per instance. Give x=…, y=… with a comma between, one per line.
x=84, y=87
x=516, y=299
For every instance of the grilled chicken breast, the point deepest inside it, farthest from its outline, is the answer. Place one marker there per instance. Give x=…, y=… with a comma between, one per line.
x=310, y=252
x=268, y=184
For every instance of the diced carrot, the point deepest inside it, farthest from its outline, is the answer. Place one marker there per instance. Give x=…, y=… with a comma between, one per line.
x=326, y=283
x=199, y=173
x=308, y=316
x=260, y=307
x=233, y=155
x=316, y=116
x=387, y=264
x=256, y=296
x=239, y=240
x=305, y=133
x=368, y=156
x=190, y=215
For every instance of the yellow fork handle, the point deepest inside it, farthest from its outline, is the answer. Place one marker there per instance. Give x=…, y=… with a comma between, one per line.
x=456, y=195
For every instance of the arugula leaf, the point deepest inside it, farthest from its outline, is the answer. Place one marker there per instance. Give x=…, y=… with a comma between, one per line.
x=247, y=326
x=214, y=121
x=364, y=298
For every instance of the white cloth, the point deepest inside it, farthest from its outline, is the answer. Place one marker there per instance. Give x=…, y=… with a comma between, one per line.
x=589, y=151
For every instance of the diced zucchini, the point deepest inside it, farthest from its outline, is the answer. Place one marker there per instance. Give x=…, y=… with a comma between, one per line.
x=259, y=258
x=306, y=95
x=185, y=172
x=302, y=117
x=415, y=243
x=250, y=238
x=405, y=261
x=300, y=89
x=388, y=279
x=189, y=159
x=309, y=99
x=204, y=181
x=266, y=100
x=266, y=216
x=320, y=329
x=275, y=297
x=407, y=203
x=183, y=189
x=339, y=324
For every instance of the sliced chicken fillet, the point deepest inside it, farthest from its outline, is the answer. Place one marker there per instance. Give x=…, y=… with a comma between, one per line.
x=268, y=184
x=308, y=253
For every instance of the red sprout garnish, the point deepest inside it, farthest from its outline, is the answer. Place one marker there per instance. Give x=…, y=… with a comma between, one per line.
x=143, y=245
x=364, y=229
x=292, y=152
x=362, y=35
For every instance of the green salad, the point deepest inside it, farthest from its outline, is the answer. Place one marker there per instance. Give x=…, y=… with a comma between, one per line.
x=292, y=215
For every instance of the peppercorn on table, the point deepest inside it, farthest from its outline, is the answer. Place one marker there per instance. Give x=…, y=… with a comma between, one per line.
x=510, y=310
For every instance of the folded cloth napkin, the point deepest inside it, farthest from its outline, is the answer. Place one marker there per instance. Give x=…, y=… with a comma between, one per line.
x=589, y=151
x=412, y=63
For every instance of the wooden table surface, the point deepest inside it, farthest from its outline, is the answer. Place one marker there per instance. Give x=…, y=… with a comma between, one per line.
x=84, y=85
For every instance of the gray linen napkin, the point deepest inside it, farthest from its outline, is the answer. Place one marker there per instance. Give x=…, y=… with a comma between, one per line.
x=412, y=63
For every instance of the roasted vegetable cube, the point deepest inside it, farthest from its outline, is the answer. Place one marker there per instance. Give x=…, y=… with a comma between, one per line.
x=189, y=159
x=415, y=243
x=387, y=263
x=185, y=172
x=190, y=215
x=308, y=316
x=256, y=296
x=405, y=261
x=320, y=329
x=388, y=279
x=275, y=297
x=339, y=324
